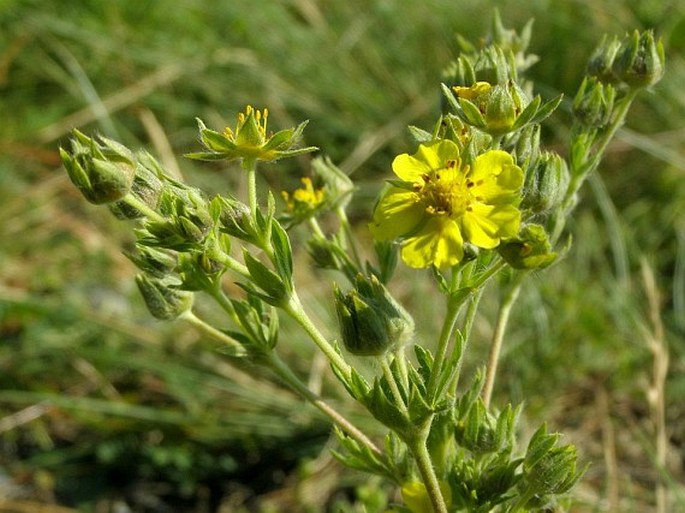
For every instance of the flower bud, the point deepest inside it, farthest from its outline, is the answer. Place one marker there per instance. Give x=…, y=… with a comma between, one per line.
x=235, y=219
x=594, y=103
x=640, y=61
x=103, y=171
x=147, y=187
x=371, y=321
x=546, y=183
x=163, y=298
x=548, y=468
x=153, y=261
x=531, y=249
x=493, y=109
x=528, y=146
x=602, y=60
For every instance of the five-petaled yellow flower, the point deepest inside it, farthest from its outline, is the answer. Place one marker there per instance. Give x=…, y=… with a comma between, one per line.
x=443, y=203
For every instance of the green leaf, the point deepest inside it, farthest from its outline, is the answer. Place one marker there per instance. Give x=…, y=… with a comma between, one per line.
x=266, y=279
x=420, y=135
x=283, y=254
x=547, y=109
x=451, y=99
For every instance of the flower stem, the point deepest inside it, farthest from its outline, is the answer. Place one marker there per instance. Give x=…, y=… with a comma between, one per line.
x=211, y=331
x=498, y=336
x=252, y=186
x=295, y=310
x=394, y=388
x=283, y=371
x=471, y=311
x=347, y=230
x=134, y=202
x=453, y=306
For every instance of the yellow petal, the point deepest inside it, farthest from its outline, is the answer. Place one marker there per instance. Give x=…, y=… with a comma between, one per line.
x=439, y=243
x=485, y=225
x=429, y=157
x=398, y=212
x=496, y=176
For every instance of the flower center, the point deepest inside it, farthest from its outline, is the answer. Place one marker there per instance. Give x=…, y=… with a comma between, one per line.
x=447, y=191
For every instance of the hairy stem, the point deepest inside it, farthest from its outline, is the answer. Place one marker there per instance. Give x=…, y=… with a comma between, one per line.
x=394, y=388
x=349, y=236
x=283, y=371
x=422, y=457
x=453, y=305
x=498, y=336
x=295, y=310
x=211, y=331
x=134, y=202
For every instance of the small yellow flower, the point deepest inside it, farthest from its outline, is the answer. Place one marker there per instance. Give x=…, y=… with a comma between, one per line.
x=472, y=92
x=304, y=202
x=250, y=141
x=442, y=203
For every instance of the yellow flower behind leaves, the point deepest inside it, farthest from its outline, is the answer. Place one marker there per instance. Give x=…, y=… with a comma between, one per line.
x=305, y=201
x=441, y=203
x=306, y=196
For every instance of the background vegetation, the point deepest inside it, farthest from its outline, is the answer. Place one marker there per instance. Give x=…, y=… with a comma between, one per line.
x=101, y=407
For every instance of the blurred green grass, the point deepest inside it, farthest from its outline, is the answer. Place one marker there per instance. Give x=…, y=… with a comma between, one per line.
x=94, y=392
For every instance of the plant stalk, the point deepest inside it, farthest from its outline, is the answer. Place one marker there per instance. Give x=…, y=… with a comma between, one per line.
x=498, y=337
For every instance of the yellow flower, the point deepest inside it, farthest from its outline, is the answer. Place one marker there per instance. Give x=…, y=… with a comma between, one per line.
x=250, y=141
x=304, y=201
x=472, y=92
x=441, y=203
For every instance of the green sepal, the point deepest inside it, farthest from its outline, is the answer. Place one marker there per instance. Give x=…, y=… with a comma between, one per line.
x=451, y=98
x=527, y=114
x=540, y=444
x=214, y=140
x=470, y=113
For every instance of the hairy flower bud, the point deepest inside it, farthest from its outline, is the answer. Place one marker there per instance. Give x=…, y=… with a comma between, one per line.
x=147, y=188
x=530, y=249
x=371, y=321
x=163, y=298
x=548, y=468
x=594, y=103
x=640, y=61
x=602, y=60
x=103, y=171
x=546, y=183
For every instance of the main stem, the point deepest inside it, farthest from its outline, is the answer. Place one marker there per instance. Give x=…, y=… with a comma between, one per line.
x=428, y=476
